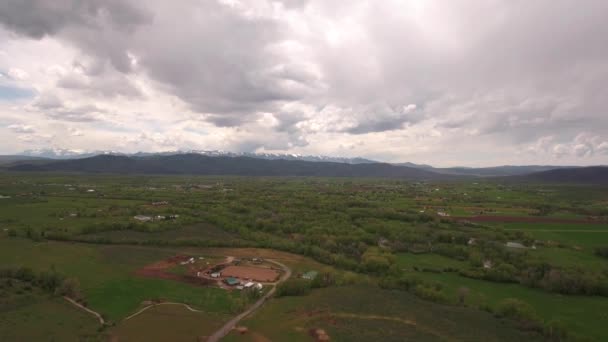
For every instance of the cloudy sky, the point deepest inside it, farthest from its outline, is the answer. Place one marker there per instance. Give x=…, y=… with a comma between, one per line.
x=457, y=82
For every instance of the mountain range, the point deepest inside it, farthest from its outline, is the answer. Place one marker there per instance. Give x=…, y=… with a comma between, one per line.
x=224, y=163
x=61, y=154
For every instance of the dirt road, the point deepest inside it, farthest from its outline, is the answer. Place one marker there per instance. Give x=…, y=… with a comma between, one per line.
x=80, y=306
x=224, y=330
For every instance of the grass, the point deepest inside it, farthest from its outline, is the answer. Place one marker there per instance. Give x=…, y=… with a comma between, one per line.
x=583, y=235
x=584, y=315
x=428, y=261
x=106, y=275
x=362, y=313
x=334, y=219
x=152, y=325
x=37, y=317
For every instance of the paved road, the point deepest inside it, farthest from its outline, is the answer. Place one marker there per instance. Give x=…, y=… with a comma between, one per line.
x=223, y=331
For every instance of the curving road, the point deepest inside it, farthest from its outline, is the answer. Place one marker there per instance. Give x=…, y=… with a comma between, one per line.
x=224, y=330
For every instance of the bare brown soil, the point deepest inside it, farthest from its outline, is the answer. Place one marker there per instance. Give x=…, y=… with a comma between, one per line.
x=526, y=219
x=249, y=272
x=159, y=270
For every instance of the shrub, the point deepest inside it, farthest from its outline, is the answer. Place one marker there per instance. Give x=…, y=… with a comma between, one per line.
x=521, y=312
x=293, y=287
x=70, y=287
x=602, y=251
x=432, y=293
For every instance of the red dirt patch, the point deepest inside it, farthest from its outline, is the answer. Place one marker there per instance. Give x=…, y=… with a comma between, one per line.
x=525, y=219
x=158, y=270
x=253, y=273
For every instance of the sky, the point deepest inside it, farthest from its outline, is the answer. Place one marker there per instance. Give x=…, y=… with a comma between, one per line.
x=446, y=83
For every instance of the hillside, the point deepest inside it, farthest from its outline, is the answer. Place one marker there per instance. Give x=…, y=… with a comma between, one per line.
x=197, y=164
x=583, y=175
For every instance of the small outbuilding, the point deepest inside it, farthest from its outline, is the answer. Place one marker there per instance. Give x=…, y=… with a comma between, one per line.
x=142, y=218
x=232, y=281
x=310, y=275
x=512, y=244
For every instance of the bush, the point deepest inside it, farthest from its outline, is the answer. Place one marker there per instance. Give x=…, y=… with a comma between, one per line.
x=519, y=311
x=431, y=293
x=602, y=251
x=70, y=287
x=293, y=287
x=556, y=331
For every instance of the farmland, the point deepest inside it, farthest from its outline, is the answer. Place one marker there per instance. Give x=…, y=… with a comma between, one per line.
x=387, y=253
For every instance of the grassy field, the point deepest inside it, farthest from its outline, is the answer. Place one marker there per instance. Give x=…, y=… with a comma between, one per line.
x=583, y=235
x=31, y=315
x=106, y=275
x=584, y=315
x=360, y=313
x=167, y=323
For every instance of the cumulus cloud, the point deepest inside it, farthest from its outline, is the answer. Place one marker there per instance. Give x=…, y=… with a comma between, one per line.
x=18, y=128
x=53, y=107
x=312, y=76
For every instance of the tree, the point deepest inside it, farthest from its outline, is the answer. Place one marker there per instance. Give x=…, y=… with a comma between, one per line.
x=70, y=287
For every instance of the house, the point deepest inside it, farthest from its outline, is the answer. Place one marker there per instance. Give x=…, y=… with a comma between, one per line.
x=232, y=281
x=512, y=244
x=310, y=275
x=142, y=218
x=156, y=204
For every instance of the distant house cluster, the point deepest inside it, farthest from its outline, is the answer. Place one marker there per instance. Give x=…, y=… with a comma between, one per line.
x=142, y=218
x=160, y=203
x=146, y=218
x=241, y=285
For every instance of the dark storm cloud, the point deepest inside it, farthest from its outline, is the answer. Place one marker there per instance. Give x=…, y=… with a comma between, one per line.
x=53, y=107
x=37, y=18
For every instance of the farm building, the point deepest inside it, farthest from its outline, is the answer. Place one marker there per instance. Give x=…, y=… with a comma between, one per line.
x=215, y=275
x=511, y=244
x=160, y=203
x=310, y=275
x=142, y=218
x=232, y=281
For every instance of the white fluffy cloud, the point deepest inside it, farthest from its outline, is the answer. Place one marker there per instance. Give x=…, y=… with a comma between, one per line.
x=391, y=80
